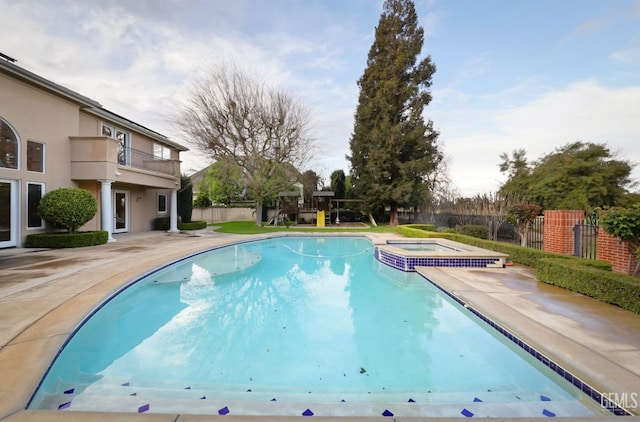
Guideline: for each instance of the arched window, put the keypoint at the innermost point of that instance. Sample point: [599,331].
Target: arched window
[9,146]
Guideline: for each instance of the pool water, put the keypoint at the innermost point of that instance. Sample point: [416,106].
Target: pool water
[293,318]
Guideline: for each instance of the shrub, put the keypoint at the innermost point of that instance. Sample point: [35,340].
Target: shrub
[202,201]
[194,225]
[617,289]
[481,232]
[624,223]
[68,208]
[425,227]
[161,223]
[164,223]
[66,240]
[449,230]
[411,231]
[185,199]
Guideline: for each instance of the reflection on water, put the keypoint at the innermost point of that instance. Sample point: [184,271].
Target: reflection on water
[310,315]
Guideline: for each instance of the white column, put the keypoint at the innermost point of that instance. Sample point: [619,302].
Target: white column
[106,208]
[173,216]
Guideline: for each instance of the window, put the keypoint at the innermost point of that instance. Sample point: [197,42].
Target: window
[124,147]
[9,146]
[35,156]
[162,203]
[161,151]
[34,195]
[107,131]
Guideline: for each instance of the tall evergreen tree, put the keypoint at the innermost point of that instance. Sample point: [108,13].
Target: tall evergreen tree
[393,150]
[338,183]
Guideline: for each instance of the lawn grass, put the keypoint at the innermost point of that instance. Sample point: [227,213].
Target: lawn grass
[249,227]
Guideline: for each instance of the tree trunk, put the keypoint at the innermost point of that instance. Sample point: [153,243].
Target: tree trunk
[258,213]
[393,218]
[524,234]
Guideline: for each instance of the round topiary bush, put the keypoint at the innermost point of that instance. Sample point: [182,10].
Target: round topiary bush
[68,208]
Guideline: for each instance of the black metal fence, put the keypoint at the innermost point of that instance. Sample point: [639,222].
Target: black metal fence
[585,240]
[505,232]
[585,234]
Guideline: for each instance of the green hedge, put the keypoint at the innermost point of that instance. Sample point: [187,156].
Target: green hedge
[617,289]
[475,230]
[425,227]
[413,230]
[66,240]
[163,223]
[194,225]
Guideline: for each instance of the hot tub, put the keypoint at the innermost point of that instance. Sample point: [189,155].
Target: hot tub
[405,255]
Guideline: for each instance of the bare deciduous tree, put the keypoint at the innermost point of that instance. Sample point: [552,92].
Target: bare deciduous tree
[238,119]
[493,209]
[488,209]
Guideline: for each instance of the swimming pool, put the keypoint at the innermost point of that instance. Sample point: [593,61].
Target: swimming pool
[293,326]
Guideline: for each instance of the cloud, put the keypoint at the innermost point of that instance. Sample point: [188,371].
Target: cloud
[629,54]
[588,27]
[583,111]
[473,68]
[634,10]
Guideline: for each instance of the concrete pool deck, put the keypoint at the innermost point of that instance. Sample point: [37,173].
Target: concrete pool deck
[44,294]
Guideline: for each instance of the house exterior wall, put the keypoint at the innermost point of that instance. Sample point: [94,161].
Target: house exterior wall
[37,116]
[41,117]
[76,152]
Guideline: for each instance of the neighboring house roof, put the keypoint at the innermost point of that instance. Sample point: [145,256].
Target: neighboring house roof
[85,103]
[200,174]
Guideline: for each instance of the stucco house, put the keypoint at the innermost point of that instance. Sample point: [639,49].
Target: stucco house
[52,137]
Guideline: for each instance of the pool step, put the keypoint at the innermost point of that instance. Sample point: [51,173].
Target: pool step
[168,388]
[218,406]
[109,396]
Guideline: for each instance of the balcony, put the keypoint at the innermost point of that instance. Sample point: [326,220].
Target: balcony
[130,157]
[103,158]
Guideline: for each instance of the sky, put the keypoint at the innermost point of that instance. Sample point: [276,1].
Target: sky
[510,74]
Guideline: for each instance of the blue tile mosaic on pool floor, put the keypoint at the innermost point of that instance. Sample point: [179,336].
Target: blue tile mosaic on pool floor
[479,405]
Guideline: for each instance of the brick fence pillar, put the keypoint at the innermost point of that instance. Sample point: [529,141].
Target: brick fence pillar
[558,230]
[615,251]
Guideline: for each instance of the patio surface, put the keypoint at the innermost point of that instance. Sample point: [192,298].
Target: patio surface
[44,294]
